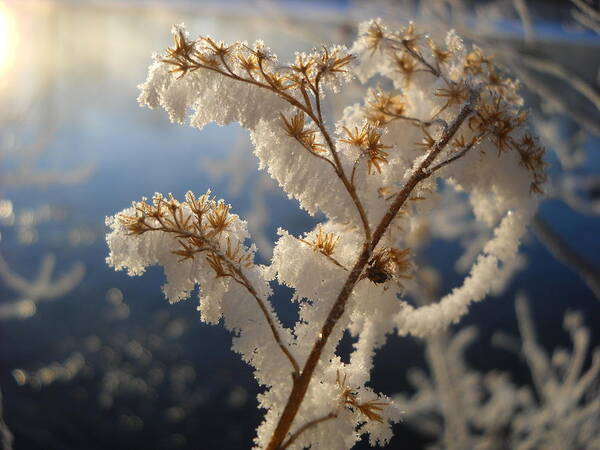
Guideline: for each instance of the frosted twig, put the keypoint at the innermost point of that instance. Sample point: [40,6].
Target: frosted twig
[301,383]
[42,288]
[6,437]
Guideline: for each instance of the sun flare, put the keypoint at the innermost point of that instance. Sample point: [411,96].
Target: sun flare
[7,37]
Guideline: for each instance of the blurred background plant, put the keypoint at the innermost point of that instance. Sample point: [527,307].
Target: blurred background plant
[110,364]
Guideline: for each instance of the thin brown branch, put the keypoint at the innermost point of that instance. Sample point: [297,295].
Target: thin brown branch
[243,280]
[305,427]
[305,96]
[456,156]
[314,153]
[321,126]
[349,187]
[406,47]
[354,167]
[421,123]
[434,70]
[329,257]
[318,96]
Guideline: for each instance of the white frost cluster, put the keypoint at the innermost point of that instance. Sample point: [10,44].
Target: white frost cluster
[350,170]
[220,297]
[463,408]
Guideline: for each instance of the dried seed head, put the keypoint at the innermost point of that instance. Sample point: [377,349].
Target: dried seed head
[368,139]
[218,217]
[387,264]
[371,409]
[295,128]
[455,94]
[374,37]
[441,56]
[406,65]
[325,242]
[382,107]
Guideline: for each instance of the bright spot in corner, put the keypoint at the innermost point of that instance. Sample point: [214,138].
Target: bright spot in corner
[8,35]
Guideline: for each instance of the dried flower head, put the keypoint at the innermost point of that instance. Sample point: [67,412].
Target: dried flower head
[406,65]
[441,56]
[455,94]
[387,264]
[383,107]
[218,217]
[325,242]
[371,409]
[374,36]
[368,140]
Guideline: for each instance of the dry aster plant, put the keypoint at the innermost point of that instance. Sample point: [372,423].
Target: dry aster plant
[437,111]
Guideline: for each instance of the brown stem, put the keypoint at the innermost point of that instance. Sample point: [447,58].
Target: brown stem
[418,57]
[243,280]
[312,152]
[308,110]
[301,383]
[354,167]
[458,155]
[318,96]
[305,427]
[342,175]
[422,123]
[329,257]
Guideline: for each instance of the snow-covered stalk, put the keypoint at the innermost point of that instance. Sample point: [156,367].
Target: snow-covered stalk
[447,114]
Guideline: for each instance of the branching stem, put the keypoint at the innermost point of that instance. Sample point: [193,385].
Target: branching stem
[316,118]
[241,279]
[302,382]
[305,427]
[458,155]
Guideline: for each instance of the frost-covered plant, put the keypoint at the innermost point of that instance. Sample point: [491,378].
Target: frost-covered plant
[439,112]
[462,408]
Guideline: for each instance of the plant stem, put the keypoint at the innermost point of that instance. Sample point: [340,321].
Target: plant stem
[302,382]
[306,426]
[244,281]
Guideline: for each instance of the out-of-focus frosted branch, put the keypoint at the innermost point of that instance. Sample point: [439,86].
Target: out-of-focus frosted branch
[523,11]
[6,437]
[586,15]
[488,411]
[28,176]
[564,253]
[573,190]
[41,288]
[556,70]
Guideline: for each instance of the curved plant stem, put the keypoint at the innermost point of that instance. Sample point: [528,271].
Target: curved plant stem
[305,427]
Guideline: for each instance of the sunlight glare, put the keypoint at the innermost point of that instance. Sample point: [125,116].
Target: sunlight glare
[7,37]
